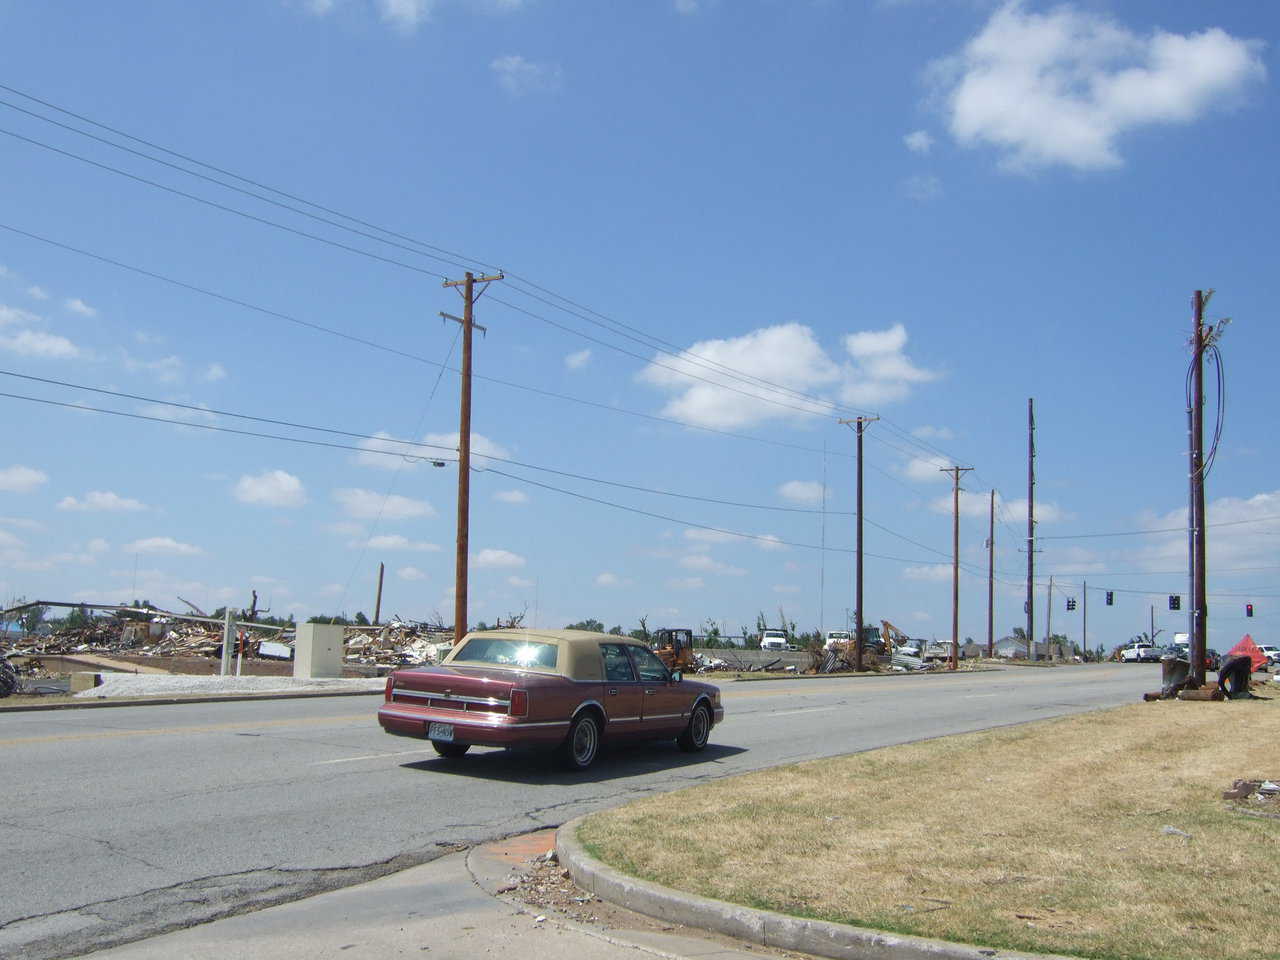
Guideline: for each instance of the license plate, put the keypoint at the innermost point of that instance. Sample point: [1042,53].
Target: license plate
[440,731]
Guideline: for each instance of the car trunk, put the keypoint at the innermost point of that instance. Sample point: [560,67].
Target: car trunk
[467,689]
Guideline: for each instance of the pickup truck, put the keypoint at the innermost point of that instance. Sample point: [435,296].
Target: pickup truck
[1140,653]
[773,640]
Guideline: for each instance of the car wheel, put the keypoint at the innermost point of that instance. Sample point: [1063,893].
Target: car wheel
[698,732]
[452,751]
[583,743]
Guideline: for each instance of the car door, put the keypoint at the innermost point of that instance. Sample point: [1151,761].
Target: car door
[665,709]
[623,694]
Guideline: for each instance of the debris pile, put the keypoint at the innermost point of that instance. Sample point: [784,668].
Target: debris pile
[546,886]
[397,644]
[1256,797]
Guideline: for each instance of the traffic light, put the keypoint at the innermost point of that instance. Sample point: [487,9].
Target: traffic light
[1248,609]
[1111,598]
[1071,603]
[1175,602]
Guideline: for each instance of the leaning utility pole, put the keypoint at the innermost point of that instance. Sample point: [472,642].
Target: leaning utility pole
[1196,513]
[955,562]
[377,603]
[1031,524]
[859,424]
[469,297]
[991,581]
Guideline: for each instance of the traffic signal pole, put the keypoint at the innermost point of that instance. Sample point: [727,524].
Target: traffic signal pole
[1196,513]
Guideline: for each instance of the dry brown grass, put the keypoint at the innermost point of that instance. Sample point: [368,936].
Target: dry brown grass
[1043,837]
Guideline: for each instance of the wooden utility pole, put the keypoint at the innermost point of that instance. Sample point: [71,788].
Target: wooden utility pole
[1196,513]
[1031,524]
[991,581]
[955,561]
[377,603]
[469,297]
[859,424]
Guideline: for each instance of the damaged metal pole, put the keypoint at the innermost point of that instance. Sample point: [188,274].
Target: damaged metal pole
[228,638]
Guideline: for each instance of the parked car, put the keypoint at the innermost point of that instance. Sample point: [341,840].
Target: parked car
[567,690]
[1140,652]
[1212,659]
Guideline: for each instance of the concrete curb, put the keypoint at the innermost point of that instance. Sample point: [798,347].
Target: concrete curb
[171,700]
[867,675]
[774,930]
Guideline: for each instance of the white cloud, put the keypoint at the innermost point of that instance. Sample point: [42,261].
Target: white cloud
[703,538]
[369,505]
[168,369]
[926,469]
[405,15]
[35,343]
[320,7]
[164,545]
[271,488]
[394,541]
[11,315]
[1251,535]
[687,7]
[98,545]
[489,557]
[20,479]
[102,500]
[1061,87]
[37,293]
[11,541]
[927,432]
[686,583]
[706,564]
[410,573]
[185,414]
[921,616]
[922,187]
[882,372]
[578,360]
[978,504]
[785,588]
[930,572]
[434,446]
[520,77]
[788,356]
[511,496]
[918,141]
[520,583]
[801,491]
[607,579]
[76,305]
[215,372]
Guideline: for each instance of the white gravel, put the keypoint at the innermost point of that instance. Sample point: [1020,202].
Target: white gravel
[149,685]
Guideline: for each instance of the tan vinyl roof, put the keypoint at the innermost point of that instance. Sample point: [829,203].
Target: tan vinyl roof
[578,655]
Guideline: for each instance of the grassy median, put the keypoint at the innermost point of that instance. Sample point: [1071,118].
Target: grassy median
[1051,836]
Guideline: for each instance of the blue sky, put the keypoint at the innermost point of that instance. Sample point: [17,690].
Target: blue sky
[725,226]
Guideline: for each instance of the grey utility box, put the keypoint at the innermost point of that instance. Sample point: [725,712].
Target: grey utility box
[317,650]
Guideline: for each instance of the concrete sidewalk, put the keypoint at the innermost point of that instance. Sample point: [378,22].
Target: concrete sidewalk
[439,909]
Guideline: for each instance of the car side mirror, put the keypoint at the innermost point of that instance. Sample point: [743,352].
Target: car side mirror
[677,676]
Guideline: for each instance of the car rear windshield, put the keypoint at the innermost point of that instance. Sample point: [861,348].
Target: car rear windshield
[508,652]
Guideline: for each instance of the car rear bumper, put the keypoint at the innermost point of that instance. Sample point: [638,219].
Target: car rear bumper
[408,720]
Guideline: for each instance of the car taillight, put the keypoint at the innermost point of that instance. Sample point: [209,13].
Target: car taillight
[391,685]
[519,703]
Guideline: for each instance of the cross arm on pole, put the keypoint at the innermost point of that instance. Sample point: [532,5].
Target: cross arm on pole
[474,325]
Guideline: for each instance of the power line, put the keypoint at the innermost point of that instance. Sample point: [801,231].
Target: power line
[580,311]
[765,538]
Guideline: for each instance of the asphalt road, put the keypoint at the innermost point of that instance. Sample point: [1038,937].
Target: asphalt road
[117,824]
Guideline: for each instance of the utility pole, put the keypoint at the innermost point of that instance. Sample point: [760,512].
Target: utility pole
[859,424]
[1084,620]
[1196,512]
[469,297]
[1048,618]
[991,581]
[955,562]
[377,603]
[1031,524]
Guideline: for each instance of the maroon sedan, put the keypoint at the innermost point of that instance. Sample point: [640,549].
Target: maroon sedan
[562,689]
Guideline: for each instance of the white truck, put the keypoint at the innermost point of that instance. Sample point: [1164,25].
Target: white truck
[773,640]
[1140,651]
